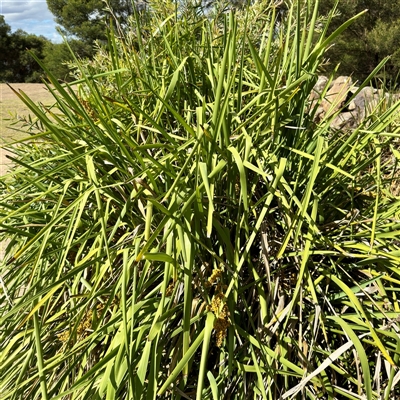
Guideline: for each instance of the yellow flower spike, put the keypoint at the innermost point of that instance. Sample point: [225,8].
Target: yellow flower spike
[221,324]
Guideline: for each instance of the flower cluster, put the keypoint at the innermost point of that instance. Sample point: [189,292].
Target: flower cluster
[83,328]
[218,306]
[221,324]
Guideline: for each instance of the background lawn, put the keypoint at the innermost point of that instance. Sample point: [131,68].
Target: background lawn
[11,107]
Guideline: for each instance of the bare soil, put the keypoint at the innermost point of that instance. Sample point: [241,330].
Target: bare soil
[36,91]
[13,109]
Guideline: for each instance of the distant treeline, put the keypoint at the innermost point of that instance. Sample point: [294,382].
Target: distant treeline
[17,63]
[356,52]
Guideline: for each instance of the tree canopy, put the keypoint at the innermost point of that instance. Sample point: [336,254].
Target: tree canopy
[86,19]
[358,50]
[368,40]
[16,64]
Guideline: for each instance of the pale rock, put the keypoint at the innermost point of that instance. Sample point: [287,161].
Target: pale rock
[336,95]
[345,120]
[340,91]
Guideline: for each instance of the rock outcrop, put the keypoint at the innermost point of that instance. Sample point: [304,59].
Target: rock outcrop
[342,94]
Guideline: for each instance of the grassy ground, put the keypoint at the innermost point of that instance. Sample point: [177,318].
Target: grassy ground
[11,108]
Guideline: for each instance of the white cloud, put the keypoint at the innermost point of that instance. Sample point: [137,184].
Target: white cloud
[32,16]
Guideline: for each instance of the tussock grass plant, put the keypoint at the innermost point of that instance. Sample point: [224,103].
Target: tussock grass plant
[181,228]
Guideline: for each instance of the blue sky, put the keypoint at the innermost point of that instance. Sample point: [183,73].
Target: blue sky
[32,16]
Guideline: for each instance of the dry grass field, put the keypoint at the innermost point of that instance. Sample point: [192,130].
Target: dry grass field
[13,109]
